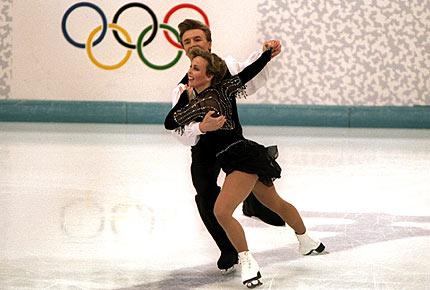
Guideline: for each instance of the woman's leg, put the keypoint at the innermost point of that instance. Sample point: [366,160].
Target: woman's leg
[237,185]
[268,196]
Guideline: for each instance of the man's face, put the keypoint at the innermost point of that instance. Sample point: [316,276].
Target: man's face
[195,38]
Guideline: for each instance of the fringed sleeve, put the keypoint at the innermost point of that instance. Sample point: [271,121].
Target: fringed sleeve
[236,86]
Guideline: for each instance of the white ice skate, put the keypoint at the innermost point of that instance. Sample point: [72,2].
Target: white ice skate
[250,270]
[308,245]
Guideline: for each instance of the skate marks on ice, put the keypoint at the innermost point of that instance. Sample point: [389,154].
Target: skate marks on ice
[368,228]
[198,277]
[73,274]
[350,230]
[359,229]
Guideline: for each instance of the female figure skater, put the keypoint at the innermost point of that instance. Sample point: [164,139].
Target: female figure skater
[248,165]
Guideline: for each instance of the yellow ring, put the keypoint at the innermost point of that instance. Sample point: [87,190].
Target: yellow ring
[90,53]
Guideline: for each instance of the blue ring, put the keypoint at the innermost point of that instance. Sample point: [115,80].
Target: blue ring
[70,10]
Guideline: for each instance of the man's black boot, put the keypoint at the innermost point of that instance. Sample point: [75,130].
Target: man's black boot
[227,262]
[252,207]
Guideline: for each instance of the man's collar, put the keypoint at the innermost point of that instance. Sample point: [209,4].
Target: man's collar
[184,80]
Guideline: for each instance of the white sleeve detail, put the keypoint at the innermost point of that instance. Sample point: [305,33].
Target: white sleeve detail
[176,93]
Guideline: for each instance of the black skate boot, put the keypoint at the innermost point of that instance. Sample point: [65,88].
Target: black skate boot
[252,207]
[227,262]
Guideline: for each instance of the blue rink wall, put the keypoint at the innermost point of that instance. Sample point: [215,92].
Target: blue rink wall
[250,114]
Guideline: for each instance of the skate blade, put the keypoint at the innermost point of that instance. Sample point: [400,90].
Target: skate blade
[229,270]
[320,250]
[253,284]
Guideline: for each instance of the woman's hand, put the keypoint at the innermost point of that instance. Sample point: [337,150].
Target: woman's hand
[190,92]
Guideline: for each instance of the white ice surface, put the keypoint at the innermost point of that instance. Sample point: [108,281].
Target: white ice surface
[85,206]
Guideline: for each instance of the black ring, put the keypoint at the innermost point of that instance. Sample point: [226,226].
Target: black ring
[151,13]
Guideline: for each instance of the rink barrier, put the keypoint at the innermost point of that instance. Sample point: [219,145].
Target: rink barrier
[250,114]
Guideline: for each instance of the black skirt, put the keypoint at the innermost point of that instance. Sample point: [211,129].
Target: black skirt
[251,157]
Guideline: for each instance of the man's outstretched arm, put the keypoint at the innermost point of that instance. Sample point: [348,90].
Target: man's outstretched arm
[260,80]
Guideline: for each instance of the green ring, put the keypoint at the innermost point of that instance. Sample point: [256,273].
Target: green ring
[147,62]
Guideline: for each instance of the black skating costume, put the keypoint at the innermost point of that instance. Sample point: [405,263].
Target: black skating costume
[233,150]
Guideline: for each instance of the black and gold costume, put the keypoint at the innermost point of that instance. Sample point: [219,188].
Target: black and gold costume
[233,150]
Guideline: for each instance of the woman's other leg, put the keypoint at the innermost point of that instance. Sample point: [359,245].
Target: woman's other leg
[268,196]
[237,185]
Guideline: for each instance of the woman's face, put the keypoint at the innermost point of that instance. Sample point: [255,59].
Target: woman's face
[197,77]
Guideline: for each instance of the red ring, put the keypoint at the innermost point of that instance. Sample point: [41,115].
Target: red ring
[173,10]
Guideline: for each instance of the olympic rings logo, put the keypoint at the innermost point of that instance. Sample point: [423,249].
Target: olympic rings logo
[88,219]
[117,30]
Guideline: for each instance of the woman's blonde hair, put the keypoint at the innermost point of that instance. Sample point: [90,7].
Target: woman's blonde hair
[216,66]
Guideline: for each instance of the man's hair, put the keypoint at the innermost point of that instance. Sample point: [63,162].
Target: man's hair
[216,66]
[189,24]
